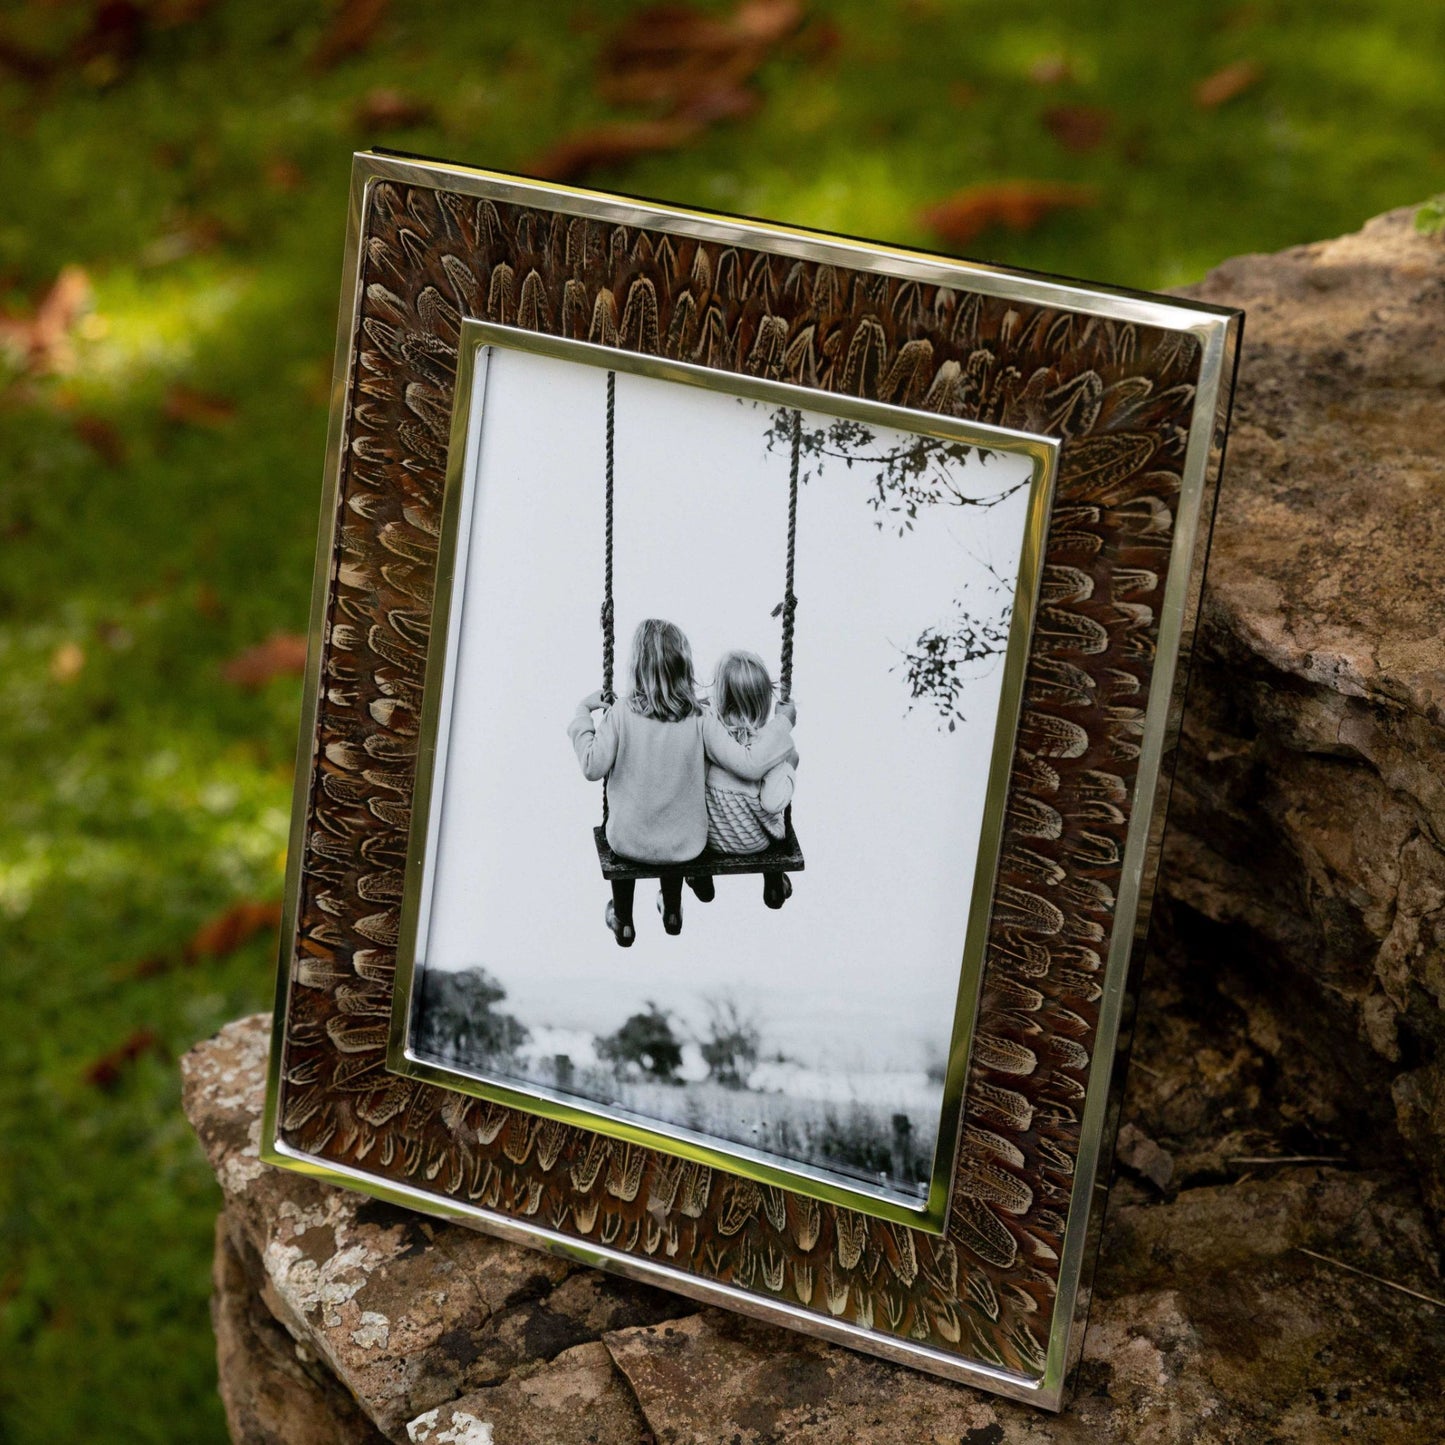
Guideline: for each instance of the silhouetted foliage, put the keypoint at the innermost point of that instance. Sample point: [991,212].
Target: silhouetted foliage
[458,1018]
[646,1042]
[731,1047]
[907,478]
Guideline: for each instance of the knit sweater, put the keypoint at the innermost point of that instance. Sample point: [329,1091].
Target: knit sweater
[657,810]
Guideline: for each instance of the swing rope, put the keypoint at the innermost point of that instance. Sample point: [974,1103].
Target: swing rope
[608,696]
[788,607]
[790,601]
[607,625]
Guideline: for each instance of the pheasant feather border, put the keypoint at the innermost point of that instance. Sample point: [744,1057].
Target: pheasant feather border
[1135,389]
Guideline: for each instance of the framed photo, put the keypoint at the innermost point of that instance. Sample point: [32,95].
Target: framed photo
[744,677]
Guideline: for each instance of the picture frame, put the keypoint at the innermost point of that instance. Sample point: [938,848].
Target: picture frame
[474,306]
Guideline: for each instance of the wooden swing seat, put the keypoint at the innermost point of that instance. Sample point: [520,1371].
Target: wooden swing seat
[781,856]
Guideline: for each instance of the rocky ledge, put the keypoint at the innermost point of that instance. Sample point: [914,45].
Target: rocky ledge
[1225,1311]
[1268,1269]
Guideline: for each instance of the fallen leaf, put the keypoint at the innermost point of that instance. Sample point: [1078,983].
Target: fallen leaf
[43,340]
[1224,85]
[691,69]
[819,40]
[1051,70]
[385,109]
[196,408]
[353,27]
[1078,128]
[609,145]
[1014,205]
[102,437]
[105,1072]
[227,931]
[283,654]
[67,662]
[284,175]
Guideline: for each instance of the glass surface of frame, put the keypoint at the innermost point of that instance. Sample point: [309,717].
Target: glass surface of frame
[1132,389]
[820,1046]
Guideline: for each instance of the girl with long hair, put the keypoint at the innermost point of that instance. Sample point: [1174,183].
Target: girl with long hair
[746,814]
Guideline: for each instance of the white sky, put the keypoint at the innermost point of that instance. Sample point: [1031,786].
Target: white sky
[859,970]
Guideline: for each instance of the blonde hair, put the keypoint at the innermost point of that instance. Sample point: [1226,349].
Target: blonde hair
[742,693]
[663,686]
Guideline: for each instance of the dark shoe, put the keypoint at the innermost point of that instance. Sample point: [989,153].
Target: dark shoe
[671,922]
[704,888]
[624,933]
[777,889]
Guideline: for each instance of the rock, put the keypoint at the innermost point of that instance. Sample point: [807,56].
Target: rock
[1208,1326]
[407,1312]
[1209,1322]
[273,1391]
[1309,806]
[581,1398]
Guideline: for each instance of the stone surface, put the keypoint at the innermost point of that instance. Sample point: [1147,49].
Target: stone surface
[1269,1236]
[580,1398]
[409,1313]
[274,1392]
[1209,1322]
[1309,809]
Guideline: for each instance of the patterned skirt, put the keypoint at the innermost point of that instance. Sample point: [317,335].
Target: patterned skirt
[738,822]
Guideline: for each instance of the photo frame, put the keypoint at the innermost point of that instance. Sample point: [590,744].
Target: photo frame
[996,882]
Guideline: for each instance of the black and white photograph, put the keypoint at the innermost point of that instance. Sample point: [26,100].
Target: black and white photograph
[721,719]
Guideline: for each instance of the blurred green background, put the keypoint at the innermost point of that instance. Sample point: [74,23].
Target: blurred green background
[174,179]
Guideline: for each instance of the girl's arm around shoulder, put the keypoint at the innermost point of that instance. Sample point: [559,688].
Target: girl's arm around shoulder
[748,760]
[777,790]
[595,744]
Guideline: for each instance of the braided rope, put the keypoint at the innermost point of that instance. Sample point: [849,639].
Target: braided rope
[790,602]
[608,628]
[607,612]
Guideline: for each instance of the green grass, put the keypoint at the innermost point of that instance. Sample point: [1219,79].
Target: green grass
[140,793]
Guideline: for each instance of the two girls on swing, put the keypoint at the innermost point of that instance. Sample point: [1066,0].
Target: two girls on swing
[681,775]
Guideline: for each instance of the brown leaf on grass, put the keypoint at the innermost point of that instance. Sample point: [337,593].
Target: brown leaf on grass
[102,437]
[283,654]
[187,405]
[105,1073]
[690,69]
[1078,128]
[1013,205]
[42,341]
[1051,70]
[226,932]
[610,145]
[1224,85]
[353,27]
[284,175]
[385,109]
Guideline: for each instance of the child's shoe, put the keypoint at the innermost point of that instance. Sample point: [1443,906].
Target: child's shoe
[703,887]
[777,889]
[624,933]
[671,922]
